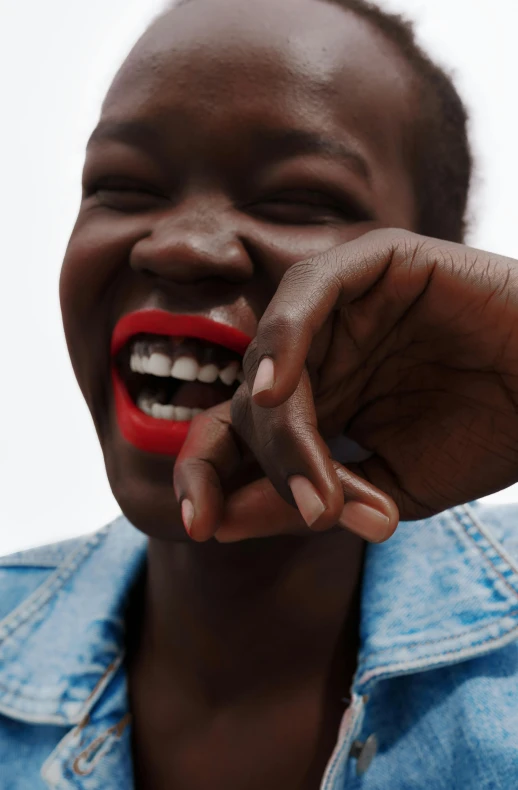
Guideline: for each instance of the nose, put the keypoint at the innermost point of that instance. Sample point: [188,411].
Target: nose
[194,243]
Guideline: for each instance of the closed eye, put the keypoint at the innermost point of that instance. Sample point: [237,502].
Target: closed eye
[307,207]
[125,196]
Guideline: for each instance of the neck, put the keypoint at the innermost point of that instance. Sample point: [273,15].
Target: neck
[227,622]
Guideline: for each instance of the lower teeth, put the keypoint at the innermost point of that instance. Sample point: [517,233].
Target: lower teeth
[161,411]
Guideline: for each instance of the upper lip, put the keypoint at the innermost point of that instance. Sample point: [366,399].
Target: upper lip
[161,322]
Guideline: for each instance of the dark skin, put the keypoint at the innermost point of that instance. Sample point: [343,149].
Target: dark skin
[199,197]
[240,205]
[207,204]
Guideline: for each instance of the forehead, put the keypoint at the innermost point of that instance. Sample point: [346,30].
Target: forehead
[239,67]
[262,50]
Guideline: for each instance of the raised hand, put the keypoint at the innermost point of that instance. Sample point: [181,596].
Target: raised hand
[408,345]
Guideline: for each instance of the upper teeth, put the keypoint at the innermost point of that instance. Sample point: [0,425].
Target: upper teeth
[185,368]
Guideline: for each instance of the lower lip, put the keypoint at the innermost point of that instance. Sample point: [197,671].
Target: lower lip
[165,437]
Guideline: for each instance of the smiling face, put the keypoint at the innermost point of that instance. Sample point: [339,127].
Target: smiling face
[237,139]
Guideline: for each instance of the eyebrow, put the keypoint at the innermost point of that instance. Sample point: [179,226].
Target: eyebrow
[136,132]
[290,142]
[274,143]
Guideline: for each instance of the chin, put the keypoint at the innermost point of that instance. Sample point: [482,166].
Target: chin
[142,484]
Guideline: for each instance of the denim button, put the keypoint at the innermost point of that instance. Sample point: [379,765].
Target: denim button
[364,753]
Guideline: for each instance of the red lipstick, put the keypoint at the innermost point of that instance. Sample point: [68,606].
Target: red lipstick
[144,432]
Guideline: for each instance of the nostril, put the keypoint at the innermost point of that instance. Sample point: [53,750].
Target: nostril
[187,254]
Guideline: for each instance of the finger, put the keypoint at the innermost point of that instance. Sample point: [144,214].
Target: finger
[306,296]
[210,455]
[258,511]
[385,478]
[368,511]
[297,461]
[287,444]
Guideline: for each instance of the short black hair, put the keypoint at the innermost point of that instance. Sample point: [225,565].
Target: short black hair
[441,159]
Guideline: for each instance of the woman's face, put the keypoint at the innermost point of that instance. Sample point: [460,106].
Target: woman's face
[237,139]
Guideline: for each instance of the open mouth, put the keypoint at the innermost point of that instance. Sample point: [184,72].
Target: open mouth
[175,378]
[168,368]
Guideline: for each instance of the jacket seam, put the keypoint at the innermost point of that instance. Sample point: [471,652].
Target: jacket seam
[47,556]
[471,629]
[458,635]
[33,565]
[433,662]
[495,545]
[27,608]
[110,669]
[425,661]
[458,649]
[483,549]
[342,747]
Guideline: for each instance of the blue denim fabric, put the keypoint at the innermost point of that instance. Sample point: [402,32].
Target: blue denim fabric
[437,679]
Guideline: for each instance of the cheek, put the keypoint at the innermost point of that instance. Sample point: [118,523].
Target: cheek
[95,262]
[279,249]
[97,255]
[97,250]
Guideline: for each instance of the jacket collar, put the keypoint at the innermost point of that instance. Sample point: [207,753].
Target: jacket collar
[60,648]
[439,591]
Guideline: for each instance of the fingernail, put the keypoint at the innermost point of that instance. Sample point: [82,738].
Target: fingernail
[307,498]
[365,521]
[187,514]
[265,376]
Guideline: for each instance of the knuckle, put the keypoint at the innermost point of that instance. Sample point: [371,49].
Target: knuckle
[393,243]
[196,471]
[185,468]
[211,423]
[409,247]
[299,273]
[277,322]
[395,236]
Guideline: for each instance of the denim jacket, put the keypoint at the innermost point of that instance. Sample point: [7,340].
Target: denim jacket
[434,703]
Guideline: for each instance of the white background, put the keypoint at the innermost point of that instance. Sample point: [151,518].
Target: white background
[56,60]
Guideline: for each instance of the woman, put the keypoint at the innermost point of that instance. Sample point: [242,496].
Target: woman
[238,192]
